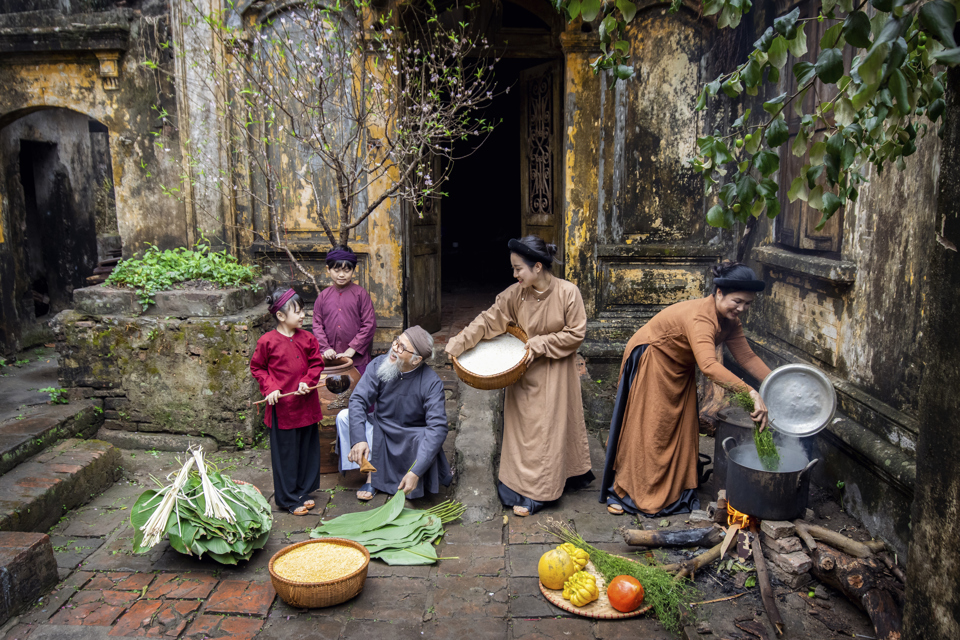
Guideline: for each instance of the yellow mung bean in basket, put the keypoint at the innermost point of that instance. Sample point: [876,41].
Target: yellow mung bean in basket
[318,562]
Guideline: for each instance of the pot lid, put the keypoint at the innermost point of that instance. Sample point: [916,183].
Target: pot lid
[800,399]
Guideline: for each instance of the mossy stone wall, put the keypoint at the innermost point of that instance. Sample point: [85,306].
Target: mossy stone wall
[172,375]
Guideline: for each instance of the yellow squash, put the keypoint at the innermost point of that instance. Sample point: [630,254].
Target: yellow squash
[555,567]
[581,589]
[579,556]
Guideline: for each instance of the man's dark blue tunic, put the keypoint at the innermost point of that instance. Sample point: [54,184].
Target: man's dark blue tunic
[409,427]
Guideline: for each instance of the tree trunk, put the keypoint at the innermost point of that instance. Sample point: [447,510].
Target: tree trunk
[866,583]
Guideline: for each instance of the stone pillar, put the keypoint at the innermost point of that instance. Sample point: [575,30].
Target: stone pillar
[933,565]
[203,133]
[582,115]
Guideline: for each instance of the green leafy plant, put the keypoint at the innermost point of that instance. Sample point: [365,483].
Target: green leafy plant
[57,396]
[158,270]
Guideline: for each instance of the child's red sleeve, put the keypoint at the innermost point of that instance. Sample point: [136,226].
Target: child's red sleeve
[258,367]
[314,361]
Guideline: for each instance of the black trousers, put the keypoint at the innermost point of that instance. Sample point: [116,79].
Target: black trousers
[295,455]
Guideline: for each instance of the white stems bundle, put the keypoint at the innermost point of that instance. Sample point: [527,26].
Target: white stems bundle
[156,526]
[216,506]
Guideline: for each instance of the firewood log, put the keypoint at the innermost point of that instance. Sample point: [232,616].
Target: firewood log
[836,540]
[865,582]
[705,537]
[763,578]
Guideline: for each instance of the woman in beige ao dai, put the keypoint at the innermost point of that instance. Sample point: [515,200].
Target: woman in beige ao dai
[545,448]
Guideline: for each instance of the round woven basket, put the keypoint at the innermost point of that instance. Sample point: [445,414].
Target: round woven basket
[499,380]
[311,595]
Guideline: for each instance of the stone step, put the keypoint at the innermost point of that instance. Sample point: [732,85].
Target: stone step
[28,570]
[20,439]
[35,494]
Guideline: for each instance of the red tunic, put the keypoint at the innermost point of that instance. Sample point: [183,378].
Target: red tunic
[283,363]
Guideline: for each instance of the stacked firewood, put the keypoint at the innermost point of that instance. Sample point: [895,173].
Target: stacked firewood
[796,553]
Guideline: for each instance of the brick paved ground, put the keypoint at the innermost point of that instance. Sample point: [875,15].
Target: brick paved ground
[490,591]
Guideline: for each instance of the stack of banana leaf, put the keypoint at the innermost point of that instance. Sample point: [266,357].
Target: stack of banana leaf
[202,512]
[392,533]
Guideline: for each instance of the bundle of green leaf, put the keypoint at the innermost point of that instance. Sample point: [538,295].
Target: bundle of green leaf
[667,594]
[763,440]
[202,512]
[392,533]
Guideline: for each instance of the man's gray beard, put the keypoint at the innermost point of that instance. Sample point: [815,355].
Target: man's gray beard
[389,371]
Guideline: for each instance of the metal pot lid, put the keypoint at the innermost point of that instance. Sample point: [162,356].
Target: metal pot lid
[800,399]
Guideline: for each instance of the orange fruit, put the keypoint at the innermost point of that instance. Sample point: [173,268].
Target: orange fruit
[625,593]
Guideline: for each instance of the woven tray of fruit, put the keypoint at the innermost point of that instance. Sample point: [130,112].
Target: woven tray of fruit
[569,581]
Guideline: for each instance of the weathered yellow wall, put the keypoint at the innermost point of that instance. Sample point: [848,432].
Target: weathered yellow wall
[141,161]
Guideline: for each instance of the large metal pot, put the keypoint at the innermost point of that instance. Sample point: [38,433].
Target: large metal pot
[732,422]
[768,495]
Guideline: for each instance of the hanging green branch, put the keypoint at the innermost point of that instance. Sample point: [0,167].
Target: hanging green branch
[872,111]
[613,18]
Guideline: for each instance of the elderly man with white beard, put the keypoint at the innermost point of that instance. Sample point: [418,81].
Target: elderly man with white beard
[403,436]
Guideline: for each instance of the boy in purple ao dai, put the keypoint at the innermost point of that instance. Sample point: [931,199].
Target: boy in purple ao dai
[344,321]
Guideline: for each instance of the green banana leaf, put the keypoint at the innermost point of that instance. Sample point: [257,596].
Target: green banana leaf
[423,553]
[363,521]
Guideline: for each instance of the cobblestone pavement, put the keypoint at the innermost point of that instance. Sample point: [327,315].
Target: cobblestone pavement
[488,591]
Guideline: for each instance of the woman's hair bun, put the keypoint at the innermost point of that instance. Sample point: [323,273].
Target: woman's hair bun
[552,249]
[723,269]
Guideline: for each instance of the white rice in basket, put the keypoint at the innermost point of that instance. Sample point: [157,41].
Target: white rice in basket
[494,356]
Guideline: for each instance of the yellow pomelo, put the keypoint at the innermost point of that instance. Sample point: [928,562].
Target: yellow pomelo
[555,567]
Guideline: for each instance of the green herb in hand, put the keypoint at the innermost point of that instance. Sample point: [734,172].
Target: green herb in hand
[763,440]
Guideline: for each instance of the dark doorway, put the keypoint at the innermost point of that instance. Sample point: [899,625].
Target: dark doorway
[63,186]
[482,209]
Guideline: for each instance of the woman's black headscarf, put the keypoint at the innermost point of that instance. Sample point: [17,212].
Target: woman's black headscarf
[518,247]
[740,278]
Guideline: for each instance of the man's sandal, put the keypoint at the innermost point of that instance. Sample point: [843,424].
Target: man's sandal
[300,511]
[615,509]
[309,504]
[522,512]
[367,488]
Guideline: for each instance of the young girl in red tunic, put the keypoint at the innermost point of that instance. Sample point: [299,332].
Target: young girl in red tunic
[288,361]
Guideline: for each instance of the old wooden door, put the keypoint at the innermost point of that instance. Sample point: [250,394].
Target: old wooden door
[422,263]
[540,160]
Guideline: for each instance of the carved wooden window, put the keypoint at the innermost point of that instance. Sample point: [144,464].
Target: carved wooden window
[539,134]
[796,225]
